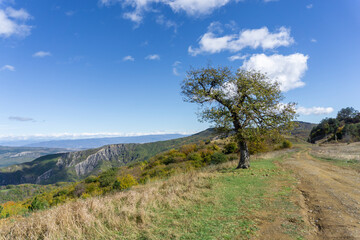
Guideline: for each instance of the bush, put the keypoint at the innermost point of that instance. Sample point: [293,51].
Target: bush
[125,182]
[218,158]
[38,204]
[230,148]
[107,178]
[187,149]
[286,144]
[79,190]
[91,179]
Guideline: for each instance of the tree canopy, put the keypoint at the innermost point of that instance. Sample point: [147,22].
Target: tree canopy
[247,102]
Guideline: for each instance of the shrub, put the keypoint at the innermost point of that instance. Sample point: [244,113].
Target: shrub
[91,179]
[79,190]
[38,204]
[215,147]
[107,178]
[258,146]
[187,149]
[286,144]
[125,182]
[230,148]
[218,158]
[1,208]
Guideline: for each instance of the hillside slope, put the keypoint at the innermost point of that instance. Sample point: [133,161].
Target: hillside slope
[78,165]
[16,155]
[218,202]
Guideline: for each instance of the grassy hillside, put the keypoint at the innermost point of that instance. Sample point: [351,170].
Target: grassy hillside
[68,167]
[16,155]
[302,130]
[217,202]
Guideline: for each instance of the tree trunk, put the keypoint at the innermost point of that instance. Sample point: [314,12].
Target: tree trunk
[244,161]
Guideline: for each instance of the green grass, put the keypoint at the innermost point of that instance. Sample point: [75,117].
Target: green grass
[230,209]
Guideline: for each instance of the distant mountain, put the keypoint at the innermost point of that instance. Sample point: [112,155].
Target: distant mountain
[303,130]
[99,142]
[16,155]
[72,166]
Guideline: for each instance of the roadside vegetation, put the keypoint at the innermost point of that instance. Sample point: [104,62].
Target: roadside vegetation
[344,128]
[217,201]
[175,161]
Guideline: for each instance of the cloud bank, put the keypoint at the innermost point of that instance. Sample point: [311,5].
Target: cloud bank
[287,70]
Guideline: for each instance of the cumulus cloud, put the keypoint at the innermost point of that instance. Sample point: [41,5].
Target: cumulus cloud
[7,67]
[190,7]
[128,58]
[153,57]
[314,110]
[210,42]
[21,119]
[287,70]
[13,22]
[41,54]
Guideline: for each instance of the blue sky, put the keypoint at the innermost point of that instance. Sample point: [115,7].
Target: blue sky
[114,67]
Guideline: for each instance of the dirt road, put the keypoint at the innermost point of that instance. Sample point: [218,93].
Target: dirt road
[331,193]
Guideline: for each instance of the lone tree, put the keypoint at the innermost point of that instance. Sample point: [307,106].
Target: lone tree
[245,102]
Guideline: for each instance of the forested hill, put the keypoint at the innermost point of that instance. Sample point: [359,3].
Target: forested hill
[74,166]
[345,127]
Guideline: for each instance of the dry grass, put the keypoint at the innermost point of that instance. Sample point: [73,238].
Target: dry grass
[124,215]
[340,151]
[121,215]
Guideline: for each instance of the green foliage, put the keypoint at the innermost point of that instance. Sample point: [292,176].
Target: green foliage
[218,157]
[125,182]
[344,127]
[286,144]
[230,148]
[246,102]
[107,178]
[91,179]
[38,203]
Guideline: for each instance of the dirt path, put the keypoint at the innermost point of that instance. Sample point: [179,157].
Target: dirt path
[331,196]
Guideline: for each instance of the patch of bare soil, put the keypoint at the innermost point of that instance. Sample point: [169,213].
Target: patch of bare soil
[331,201]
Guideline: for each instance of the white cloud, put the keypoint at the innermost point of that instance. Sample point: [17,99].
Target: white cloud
[17,14]
[66,135]
[7,67]
[309,6]
[252,38]
[128,58]
[153,57]
[238,57]
[287,70]
[190,7]
[12,22]
[166,22]
[313,40]
[176,65]
[41,54]
[314,110]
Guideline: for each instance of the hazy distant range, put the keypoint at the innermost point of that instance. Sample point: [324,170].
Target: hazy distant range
[92,142]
